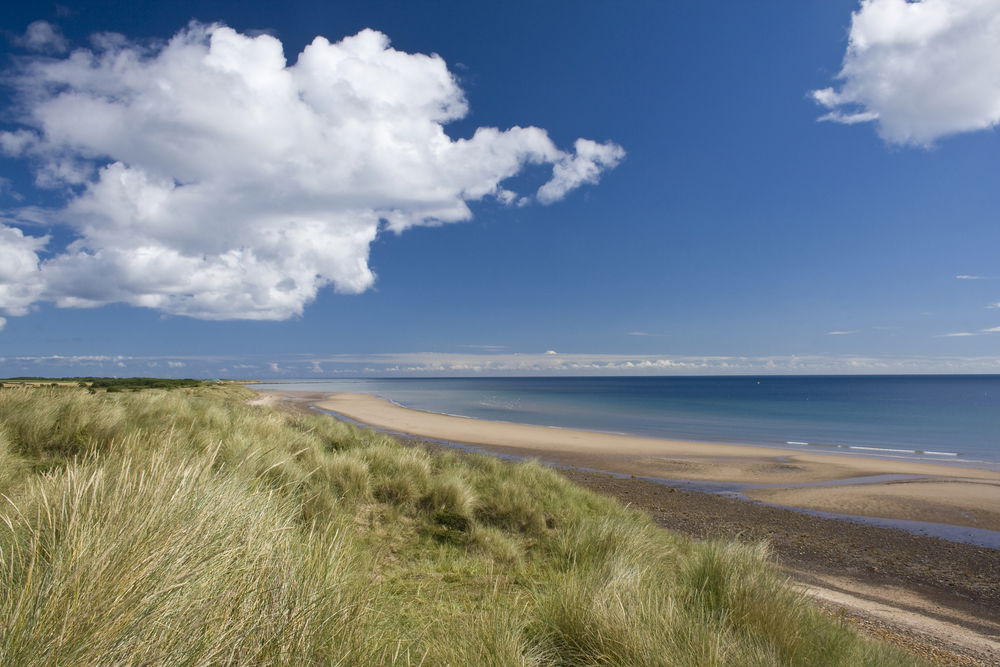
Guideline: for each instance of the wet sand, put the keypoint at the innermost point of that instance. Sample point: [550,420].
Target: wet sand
[961,503]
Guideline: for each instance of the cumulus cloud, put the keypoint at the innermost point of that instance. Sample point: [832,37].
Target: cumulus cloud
[20,277]
[584,166]
[43,37]
[208,177]
[920,70]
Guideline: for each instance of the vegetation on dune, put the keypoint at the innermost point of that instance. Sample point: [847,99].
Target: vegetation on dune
[108,384]
[187,527]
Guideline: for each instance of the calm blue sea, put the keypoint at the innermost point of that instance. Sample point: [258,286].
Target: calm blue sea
[941,418]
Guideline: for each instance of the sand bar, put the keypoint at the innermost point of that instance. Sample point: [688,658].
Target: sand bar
[966,503]
[959,495]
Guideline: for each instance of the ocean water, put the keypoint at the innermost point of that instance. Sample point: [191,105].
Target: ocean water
[941,418]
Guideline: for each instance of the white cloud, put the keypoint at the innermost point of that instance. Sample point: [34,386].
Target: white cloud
[972,333]
[505,364]
[207,177]
[994,305]
[585,166]
[175,364]
[43,37]
[3,323]
[643,333]
[432,363]
[16,143]
[20,278]
[841,333]
[967,277]
[920,70]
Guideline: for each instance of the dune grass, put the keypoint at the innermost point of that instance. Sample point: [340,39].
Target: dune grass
[186,527]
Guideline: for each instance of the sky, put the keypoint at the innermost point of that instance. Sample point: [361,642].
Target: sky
[267,190]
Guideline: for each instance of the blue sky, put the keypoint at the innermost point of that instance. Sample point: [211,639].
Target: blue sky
[713,224]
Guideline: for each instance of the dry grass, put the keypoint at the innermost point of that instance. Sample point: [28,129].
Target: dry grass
[186,527]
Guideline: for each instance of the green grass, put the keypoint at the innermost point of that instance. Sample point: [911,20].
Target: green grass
[188,528]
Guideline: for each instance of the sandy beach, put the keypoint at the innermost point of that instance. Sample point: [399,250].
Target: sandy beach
[945,494]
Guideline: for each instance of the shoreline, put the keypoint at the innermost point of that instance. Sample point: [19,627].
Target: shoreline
[912,441]
[945,461]
[959,496]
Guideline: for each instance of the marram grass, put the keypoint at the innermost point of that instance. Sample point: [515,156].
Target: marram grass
[186,527]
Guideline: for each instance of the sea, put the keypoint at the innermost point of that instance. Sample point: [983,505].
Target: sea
[940,418]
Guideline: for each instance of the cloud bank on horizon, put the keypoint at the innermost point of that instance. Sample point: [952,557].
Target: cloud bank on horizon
[919,70]
[209,178]
[440,364]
